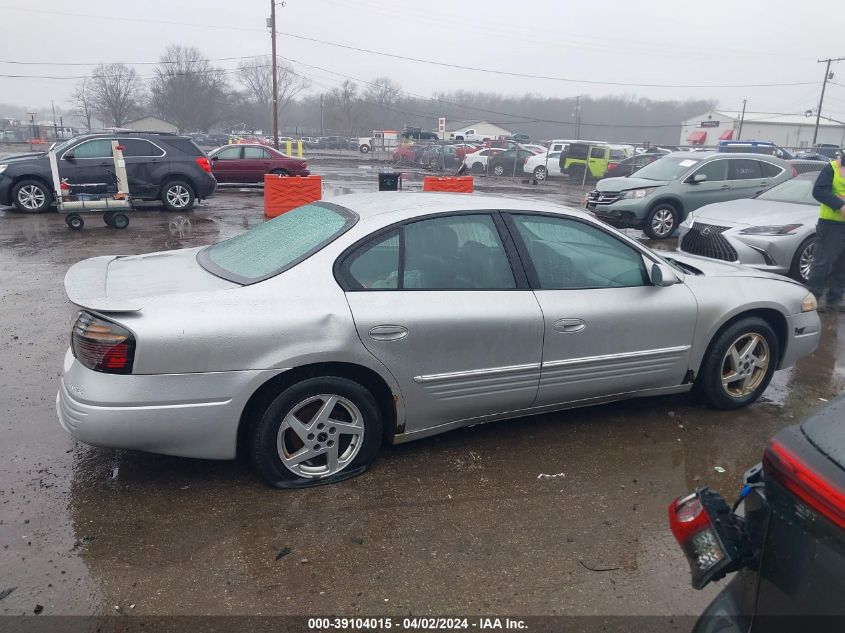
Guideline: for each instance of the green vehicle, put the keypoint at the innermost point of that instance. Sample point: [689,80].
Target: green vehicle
[592,157]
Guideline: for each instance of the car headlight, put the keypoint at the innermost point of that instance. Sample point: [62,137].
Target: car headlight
[3,168]
[785,229]
[639,193]
[809,303]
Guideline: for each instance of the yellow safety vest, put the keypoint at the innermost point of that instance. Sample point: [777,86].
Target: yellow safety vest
[825,212]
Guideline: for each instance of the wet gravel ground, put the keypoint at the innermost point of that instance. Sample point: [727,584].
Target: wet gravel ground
[463,523]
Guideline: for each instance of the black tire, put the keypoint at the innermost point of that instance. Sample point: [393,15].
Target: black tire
[32,196]
[280,172]
[798,260]
[539,173]
[716,365]
[107,217]
[364,149]
[576,173]
[74,221]
[120,220]
[661,222]
[267,458]
[174,198]
[478,168]
[498,170]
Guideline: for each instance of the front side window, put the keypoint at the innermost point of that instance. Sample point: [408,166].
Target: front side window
[597,152]
[744,169]
[274,246]
[567,254]
[230,153]
[715,171]
[97,148]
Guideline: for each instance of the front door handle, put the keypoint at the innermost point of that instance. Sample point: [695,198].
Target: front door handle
[725,187]
[569,326]
[388,332]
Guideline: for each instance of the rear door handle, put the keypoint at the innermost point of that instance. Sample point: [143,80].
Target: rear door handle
[388,332]
[725,187]
[569,326]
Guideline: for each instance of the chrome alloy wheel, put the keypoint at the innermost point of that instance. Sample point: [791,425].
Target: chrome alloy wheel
[745,365]
[805,261]
[320,436]
[663,222]
[178,196]
[31,197]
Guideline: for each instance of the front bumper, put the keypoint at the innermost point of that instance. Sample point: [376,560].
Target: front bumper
[773,254]
[803,335]
[189,415]
[621,214]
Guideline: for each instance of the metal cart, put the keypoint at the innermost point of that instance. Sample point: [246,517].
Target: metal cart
[114,205]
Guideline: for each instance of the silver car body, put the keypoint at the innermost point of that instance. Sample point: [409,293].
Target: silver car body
[450,358]
[731,231]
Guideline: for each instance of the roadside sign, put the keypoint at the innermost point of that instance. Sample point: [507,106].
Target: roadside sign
[441,124]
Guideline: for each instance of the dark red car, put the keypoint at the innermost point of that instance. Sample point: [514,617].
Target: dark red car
[249,163]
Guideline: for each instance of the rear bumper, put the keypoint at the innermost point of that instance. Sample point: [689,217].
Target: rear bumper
[5,190]
[189,415]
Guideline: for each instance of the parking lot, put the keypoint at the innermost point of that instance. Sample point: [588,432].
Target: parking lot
[562,513]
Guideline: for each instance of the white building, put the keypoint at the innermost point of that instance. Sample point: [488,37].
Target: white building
[785,130]
[151,124]
[475,131]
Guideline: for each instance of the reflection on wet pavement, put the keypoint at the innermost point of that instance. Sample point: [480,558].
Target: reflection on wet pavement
[460,523]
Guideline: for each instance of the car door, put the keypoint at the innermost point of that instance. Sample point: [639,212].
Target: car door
[145,166]
[256,162]
[89,167]
[607,329]
[746,177]
[439,304]
[598,161]
[226,164]
[716,188]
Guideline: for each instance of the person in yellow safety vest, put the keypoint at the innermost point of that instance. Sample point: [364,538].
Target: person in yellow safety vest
[828,266]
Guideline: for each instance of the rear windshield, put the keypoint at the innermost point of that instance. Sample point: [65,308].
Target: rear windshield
[667,168]
[798,190]
[275,246]
[185,145]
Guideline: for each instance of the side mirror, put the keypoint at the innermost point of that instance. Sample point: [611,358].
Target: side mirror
[662,275]
[697,178]
[215,157]
[68,156]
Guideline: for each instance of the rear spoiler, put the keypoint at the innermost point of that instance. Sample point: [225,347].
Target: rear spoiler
[85,285]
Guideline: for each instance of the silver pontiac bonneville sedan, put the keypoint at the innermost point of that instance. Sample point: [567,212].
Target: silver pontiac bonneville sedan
[313,338]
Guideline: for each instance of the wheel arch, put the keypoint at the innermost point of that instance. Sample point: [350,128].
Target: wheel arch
[675,201]
[176,177]
[37,177]
[368,378]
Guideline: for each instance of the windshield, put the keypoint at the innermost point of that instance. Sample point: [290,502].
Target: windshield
[798,190]
[275,246]
[668,168]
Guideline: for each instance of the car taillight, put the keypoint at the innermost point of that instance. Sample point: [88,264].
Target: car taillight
[612,166]
[102,345]
[709,535]
[202,161]
[785,467]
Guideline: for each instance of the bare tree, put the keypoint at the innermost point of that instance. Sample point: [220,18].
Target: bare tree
[346,98]
[256,76]
[116,93]
[82,99]
[187,90]
[382,92]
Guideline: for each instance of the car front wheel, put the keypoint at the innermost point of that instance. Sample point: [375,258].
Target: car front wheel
[318,431]
[739,364]
[661,221]
[803,260]
[32,196]
[178,195]
[539,173]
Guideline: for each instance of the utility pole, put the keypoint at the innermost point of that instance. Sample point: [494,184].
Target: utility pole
[821,98]
[741,120]
[275,78]
[322,132]
[578,117]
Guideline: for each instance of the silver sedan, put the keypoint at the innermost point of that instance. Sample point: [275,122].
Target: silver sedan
[314,338]
[775,231]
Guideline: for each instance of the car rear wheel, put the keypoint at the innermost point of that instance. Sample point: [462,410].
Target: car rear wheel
[739,364]
[802,261]
[477,168]
[318,431]
[32,196]
[280,172]
[499,170]
[364,149]
[661,221]
[178,195]
[539,173]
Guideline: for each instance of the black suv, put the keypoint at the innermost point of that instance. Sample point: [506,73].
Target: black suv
[160,166]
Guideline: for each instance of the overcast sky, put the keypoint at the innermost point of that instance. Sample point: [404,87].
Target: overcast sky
[649,42]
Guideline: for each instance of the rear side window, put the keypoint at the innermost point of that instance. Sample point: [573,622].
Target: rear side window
[139,147]
[744,169]
[769,170]
[255,152]
[275,246]
[186,146]
[375,265]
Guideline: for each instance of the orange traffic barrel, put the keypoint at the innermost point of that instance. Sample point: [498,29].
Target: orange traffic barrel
[283,193]
[456,184]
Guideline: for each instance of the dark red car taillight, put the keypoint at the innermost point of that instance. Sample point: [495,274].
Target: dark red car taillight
[102,345]
[709,535]
[202,161]
[811,488]
[612,166]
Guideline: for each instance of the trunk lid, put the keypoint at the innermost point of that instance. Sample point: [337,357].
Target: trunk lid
[120,283]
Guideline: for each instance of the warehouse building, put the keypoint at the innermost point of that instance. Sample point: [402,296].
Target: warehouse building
[785,130]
